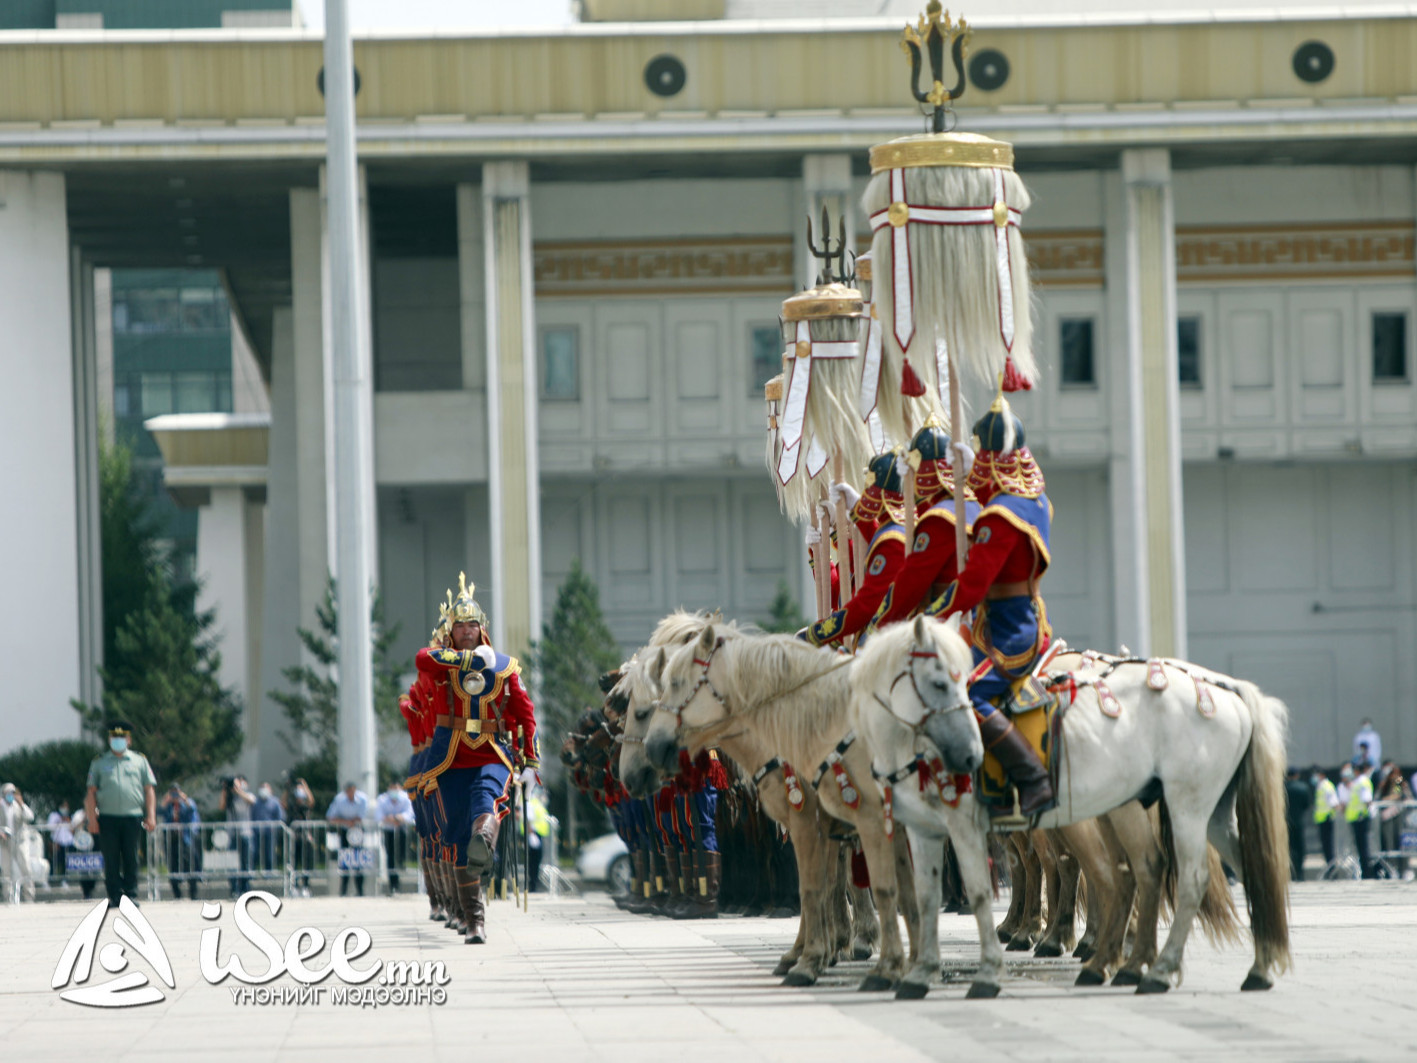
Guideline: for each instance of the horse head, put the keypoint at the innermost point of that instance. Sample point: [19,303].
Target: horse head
[940,665]
[640,685]
[689,699]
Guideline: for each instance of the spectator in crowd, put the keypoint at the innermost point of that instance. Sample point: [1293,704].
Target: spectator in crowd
[236,801]
[79,826]
[1366,735]
[1392,788]
[1326,803]
[61,840]
[1298,799]
[347,811]
[120,804]
[300,803]
[1356,793]
[395,814]
[540,820]
[1363,762]
[182,841]
[265,814]
[15,817]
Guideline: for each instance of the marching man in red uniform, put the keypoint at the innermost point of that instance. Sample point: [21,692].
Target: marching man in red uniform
[485,729]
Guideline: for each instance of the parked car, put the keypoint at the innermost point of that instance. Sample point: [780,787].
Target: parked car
[605,859]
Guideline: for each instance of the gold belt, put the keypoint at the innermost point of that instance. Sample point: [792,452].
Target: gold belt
[466,723]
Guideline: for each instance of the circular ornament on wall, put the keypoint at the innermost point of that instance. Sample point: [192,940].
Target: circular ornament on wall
[989,69]
[665,75]
[1313,61]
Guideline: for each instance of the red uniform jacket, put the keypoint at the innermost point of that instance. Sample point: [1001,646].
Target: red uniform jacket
[884,559]
[931,564]
[501,699]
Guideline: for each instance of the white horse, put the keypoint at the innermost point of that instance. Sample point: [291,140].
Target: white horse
[773,698]
[1212,747]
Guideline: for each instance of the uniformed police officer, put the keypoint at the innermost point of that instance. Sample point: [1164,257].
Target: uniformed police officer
[121,803]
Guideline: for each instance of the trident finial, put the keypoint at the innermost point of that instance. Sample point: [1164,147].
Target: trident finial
[931,34]
[827,252]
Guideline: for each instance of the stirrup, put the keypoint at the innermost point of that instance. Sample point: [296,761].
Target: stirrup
[1008,820]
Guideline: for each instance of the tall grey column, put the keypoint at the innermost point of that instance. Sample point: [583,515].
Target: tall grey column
[353,411]
[86,476]
[513,481]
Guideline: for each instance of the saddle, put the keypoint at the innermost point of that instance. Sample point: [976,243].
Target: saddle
[1037,714]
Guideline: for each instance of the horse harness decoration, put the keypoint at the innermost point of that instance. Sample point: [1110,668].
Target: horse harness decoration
[1070,682]
[790,782]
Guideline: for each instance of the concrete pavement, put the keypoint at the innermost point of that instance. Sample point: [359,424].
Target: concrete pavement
[578,979]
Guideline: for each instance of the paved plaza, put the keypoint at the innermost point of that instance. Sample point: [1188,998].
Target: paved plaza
[577,979]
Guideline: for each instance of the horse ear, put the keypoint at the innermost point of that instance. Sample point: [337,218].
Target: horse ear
[921,635]
[707,639]
[656,664]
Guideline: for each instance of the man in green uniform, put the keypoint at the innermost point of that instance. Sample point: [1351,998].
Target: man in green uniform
[121,803]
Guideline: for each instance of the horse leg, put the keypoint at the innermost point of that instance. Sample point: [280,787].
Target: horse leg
[1030,928]
[838,897]
[1013,849]
[864,928]
[1086,843]
[905,888]
[1131,828]
[809,844]
[880,861]
[928,875]
[1188,836]
[1094,904]
[971,850]
[1061,934]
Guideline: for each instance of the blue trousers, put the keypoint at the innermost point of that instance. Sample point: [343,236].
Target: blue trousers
[1013,629]
[464,794]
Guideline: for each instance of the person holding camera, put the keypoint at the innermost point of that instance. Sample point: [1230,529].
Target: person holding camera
[120,804]
[236,801]
[182,841]
[348,811]
[300,803]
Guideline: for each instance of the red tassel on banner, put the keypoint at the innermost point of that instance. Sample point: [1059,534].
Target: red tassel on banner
[910,383]
[1013,379]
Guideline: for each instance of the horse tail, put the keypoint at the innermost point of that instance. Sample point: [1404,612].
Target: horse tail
[1264,832]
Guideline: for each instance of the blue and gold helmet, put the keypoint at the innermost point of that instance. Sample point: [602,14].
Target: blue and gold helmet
[930,458]
[999,430]
[885,472]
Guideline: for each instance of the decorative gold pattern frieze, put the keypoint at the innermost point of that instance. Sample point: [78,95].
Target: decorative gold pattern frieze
[1334,251]
[743,265]
[1060,258]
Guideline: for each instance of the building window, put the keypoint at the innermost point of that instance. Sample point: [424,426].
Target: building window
[157,394]
[561,363]
[1188,351]
[766,343]
[192,392]
[1389,347]
[1075,342]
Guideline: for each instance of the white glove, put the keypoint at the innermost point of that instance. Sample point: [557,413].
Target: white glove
[964,457]
[485,656]
[843,492]
[530,777]
[814,537]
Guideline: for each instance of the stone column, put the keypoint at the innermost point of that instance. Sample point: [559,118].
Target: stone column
[514,507]
[40,631]
[1148,446]
[86,443]
[224,556]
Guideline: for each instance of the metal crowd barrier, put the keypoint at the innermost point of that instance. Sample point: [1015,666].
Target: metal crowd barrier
[215,860]
[1395,841]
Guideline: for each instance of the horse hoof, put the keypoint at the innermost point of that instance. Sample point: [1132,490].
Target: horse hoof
[1153,985]
[911,991]
[1087,976]
[982,991]
[783,966]
[1126,977]
[876,983]
[833,960]
[799,978]
[1048,948]
[1255,981]
[1018,945]
[1083,952]
[1005,936]
[861,952]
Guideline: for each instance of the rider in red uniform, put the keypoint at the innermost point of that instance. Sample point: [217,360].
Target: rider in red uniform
[1008,555]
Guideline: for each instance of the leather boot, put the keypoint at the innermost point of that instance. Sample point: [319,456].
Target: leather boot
[1019,760]
[659,891]
[457,919]
[703,901]
[470,894]
[483,842]
[637,877]
[435,894]
[640,903]
[673,882]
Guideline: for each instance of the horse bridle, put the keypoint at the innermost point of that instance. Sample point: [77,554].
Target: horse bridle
[930,711]
[704,681]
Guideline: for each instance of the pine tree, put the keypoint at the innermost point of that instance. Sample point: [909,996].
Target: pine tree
[576,648]
[161,663]
[785,613]
[312,704]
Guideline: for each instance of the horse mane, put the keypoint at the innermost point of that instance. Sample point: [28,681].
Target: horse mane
[680,626]
[677,629]
[793,694]
[881,657]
